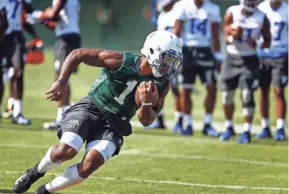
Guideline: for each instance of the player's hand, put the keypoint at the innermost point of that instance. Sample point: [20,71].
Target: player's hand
[56,92]
[34,17]
[237,32]
[252,42]
[147,92]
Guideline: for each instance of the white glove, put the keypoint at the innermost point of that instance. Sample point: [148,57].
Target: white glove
[34,17]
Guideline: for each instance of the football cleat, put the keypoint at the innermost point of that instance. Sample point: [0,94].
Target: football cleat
[177,128]
[210,131]
[7,113]
[21,120]
[265,133]
[227,134]
[188,131]
[244,138]
[24,182]
[50,125]
[280,135]
[42,190]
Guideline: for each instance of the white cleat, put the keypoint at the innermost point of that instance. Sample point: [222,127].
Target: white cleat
[50,125]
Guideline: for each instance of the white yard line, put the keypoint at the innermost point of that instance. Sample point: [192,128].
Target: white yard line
[234,187]
[164,155]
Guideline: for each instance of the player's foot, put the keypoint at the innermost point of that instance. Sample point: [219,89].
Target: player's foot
[280,135]
[188,130]
[21,120]
[265,133]
[210,131]
[227,134]
[7,113]
[42,190]
[161,123]
[50,125]
[245,138]
[24,182]
[177,128]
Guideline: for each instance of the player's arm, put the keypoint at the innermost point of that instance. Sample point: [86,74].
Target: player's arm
[216,37]
[147,114]
[229,32]
[267,37]
[53,12]
[92,57]
[178,28]
[3,22]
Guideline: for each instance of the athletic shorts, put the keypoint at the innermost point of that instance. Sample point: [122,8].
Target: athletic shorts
[64,44]
[90,123]
[242,72]
[199,62]
[12,50]
[274,71]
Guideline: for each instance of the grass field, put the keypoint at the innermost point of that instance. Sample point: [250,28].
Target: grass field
[151,161]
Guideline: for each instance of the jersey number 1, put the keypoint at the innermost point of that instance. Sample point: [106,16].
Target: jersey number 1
[130,86]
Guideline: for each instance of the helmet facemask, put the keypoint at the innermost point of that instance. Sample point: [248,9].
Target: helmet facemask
[249,5]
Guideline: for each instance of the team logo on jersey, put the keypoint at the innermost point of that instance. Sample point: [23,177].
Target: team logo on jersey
[72,123]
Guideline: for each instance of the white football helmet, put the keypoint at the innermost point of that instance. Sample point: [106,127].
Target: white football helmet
[249,5]
[163,51]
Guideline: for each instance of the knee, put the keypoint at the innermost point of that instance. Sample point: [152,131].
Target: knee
[228,97]
[63,152]
[247,98]
[279,93]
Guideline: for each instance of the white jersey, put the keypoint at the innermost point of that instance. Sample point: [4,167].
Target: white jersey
[166,21]
[279,28]
[2,4]
[251,25]
[197,22]
[14,12]
[69,15]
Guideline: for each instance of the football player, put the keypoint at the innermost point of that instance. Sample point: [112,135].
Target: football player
[243,25]
[274,67]
[3,19]
[66,14]
[102,118]
[197,23]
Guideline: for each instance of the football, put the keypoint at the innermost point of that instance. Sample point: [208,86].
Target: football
[155,98]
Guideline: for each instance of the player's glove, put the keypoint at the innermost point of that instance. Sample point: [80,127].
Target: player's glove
[35,17]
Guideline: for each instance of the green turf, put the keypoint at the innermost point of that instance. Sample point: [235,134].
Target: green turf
[150,157]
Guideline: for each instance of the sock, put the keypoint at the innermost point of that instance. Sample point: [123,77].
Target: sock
[265,122]
[280,123]
[208,119]
[59,113]
[178,116]
[229,123]
[10,103]
[247,127]
[46,163]
[69,178]
[188,120]
[17,107]
[161,113]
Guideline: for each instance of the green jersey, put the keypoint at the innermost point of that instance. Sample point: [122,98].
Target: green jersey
[114,90]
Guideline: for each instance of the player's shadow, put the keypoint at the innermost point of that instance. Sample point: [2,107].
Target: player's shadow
[9,191]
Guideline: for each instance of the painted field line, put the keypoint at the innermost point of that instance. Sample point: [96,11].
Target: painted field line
[234,187]
[165,155]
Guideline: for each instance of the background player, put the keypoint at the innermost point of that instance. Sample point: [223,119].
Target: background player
[13,49]
[197,23]
[243,25]
[3,19]
[66,14]
[274,67]
[102,118]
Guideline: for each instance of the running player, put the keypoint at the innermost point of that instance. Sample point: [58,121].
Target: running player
[243,25]
[198,24]
[274,67]
[102,118]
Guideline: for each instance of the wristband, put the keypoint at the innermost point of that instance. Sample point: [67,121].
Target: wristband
[146,104]
[61,81]
[218,56]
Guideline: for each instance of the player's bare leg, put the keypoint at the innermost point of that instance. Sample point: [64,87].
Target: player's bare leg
[178,110]
[264,110]
[229,109]
[61,106]
[17,85]
[210,102]
[281,112]
[186,105]
[54,157]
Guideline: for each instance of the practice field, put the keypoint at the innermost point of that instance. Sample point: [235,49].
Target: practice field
[151,161]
